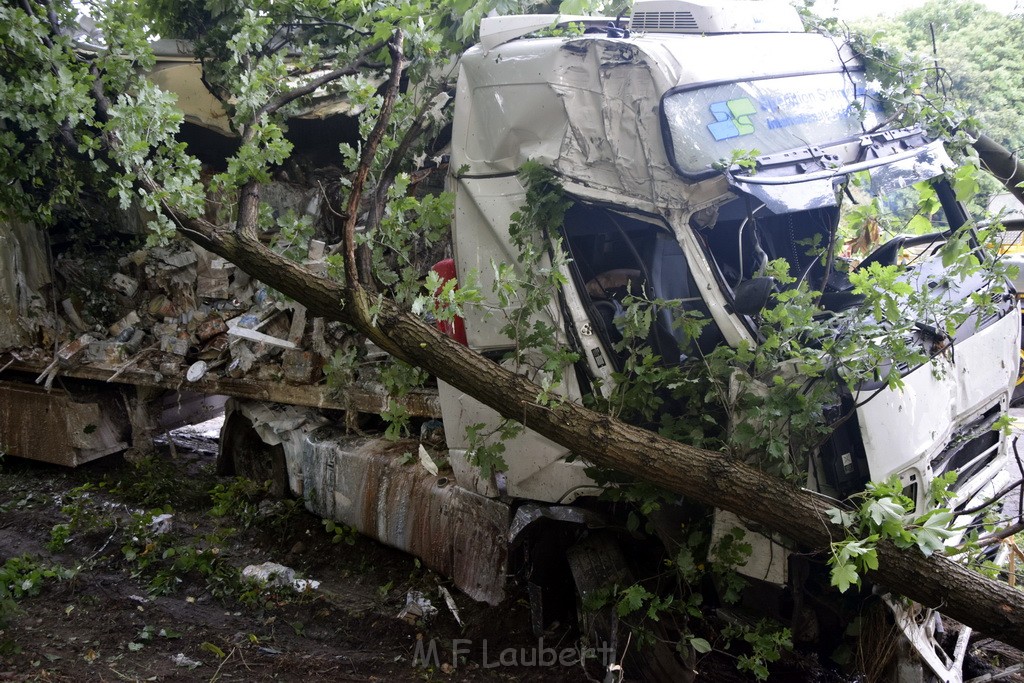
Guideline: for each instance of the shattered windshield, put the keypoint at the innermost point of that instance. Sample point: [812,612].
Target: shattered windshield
[877,212]
[768,115]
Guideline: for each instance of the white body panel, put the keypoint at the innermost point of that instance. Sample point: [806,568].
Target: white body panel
[903,430]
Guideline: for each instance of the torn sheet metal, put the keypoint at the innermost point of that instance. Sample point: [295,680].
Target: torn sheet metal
[590,106]
[288,426]
[528,513]
[787,189]
[922,628]
[366,484]
[58,427]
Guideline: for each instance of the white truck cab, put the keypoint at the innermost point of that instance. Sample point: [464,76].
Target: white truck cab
[643,123]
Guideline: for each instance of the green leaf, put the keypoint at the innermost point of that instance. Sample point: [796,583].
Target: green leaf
[884,510]
[632,599]
[213,649]
[919,225]
[841,517]
[844,576]
[934,531]
[700,645]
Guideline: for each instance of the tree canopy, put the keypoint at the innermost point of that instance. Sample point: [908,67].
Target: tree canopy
[976,51]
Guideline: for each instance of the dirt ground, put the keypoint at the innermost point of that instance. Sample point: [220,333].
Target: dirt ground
[132,605]
[129,572]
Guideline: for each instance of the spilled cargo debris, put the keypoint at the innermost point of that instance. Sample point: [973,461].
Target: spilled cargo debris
[174,315]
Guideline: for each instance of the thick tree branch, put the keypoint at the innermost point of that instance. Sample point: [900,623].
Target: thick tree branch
[1002,163]
[357,276]
[248,209]
[359,62]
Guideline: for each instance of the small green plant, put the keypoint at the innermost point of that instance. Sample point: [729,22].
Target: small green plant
[152,481]
[24,576]
[766,640]
[340,533]
[60,535]
[239,499]
[167,561]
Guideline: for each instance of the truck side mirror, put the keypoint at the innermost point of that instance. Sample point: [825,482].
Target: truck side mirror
[751,296]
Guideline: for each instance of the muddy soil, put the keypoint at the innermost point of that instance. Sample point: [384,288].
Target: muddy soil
[130,604]
[129,571]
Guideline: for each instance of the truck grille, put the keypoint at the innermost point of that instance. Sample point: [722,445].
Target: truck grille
[663,21]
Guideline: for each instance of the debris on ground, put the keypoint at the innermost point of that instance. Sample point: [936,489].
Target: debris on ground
[181,660]
[274,574]
[450,601]
[417,608]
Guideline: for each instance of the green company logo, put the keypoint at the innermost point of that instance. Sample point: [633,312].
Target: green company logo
[732,118]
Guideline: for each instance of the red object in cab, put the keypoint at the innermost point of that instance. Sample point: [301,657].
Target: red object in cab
[455,328]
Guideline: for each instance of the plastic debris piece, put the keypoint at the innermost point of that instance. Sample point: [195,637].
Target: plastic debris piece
[72,314]
[124,284]
[274,574]
[253,335]
[427,462]
[161,524]
[417,607]
[450,601]
[181,660]
[196,371]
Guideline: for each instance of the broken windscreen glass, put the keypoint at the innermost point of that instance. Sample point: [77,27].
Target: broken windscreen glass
[767,115]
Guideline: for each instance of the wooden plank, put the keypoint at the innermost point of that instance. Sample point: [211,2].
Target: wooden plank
[362,397]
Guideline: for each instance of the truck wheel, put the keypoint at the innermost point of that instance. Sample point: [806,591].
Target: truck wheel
[243,453]
[597,562]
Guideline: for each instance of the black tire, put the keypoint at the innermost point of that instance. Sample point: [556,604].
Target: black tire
[243,453]
[597,562]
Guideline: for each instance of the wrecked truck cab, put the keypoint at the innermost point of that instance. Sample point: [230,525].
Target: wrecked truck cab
[693,165]
[695,151]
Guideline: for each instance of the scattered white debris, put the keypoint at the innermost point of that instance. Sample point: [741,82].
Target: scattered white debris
[274,574]
[161,524]
[196,371]
[450,601]
[417,607]
[428,463]
[181,660]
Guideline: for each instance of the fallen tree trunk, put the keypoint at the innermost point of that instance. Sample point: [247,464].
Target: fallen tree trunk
[705,476]
[1002,163]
